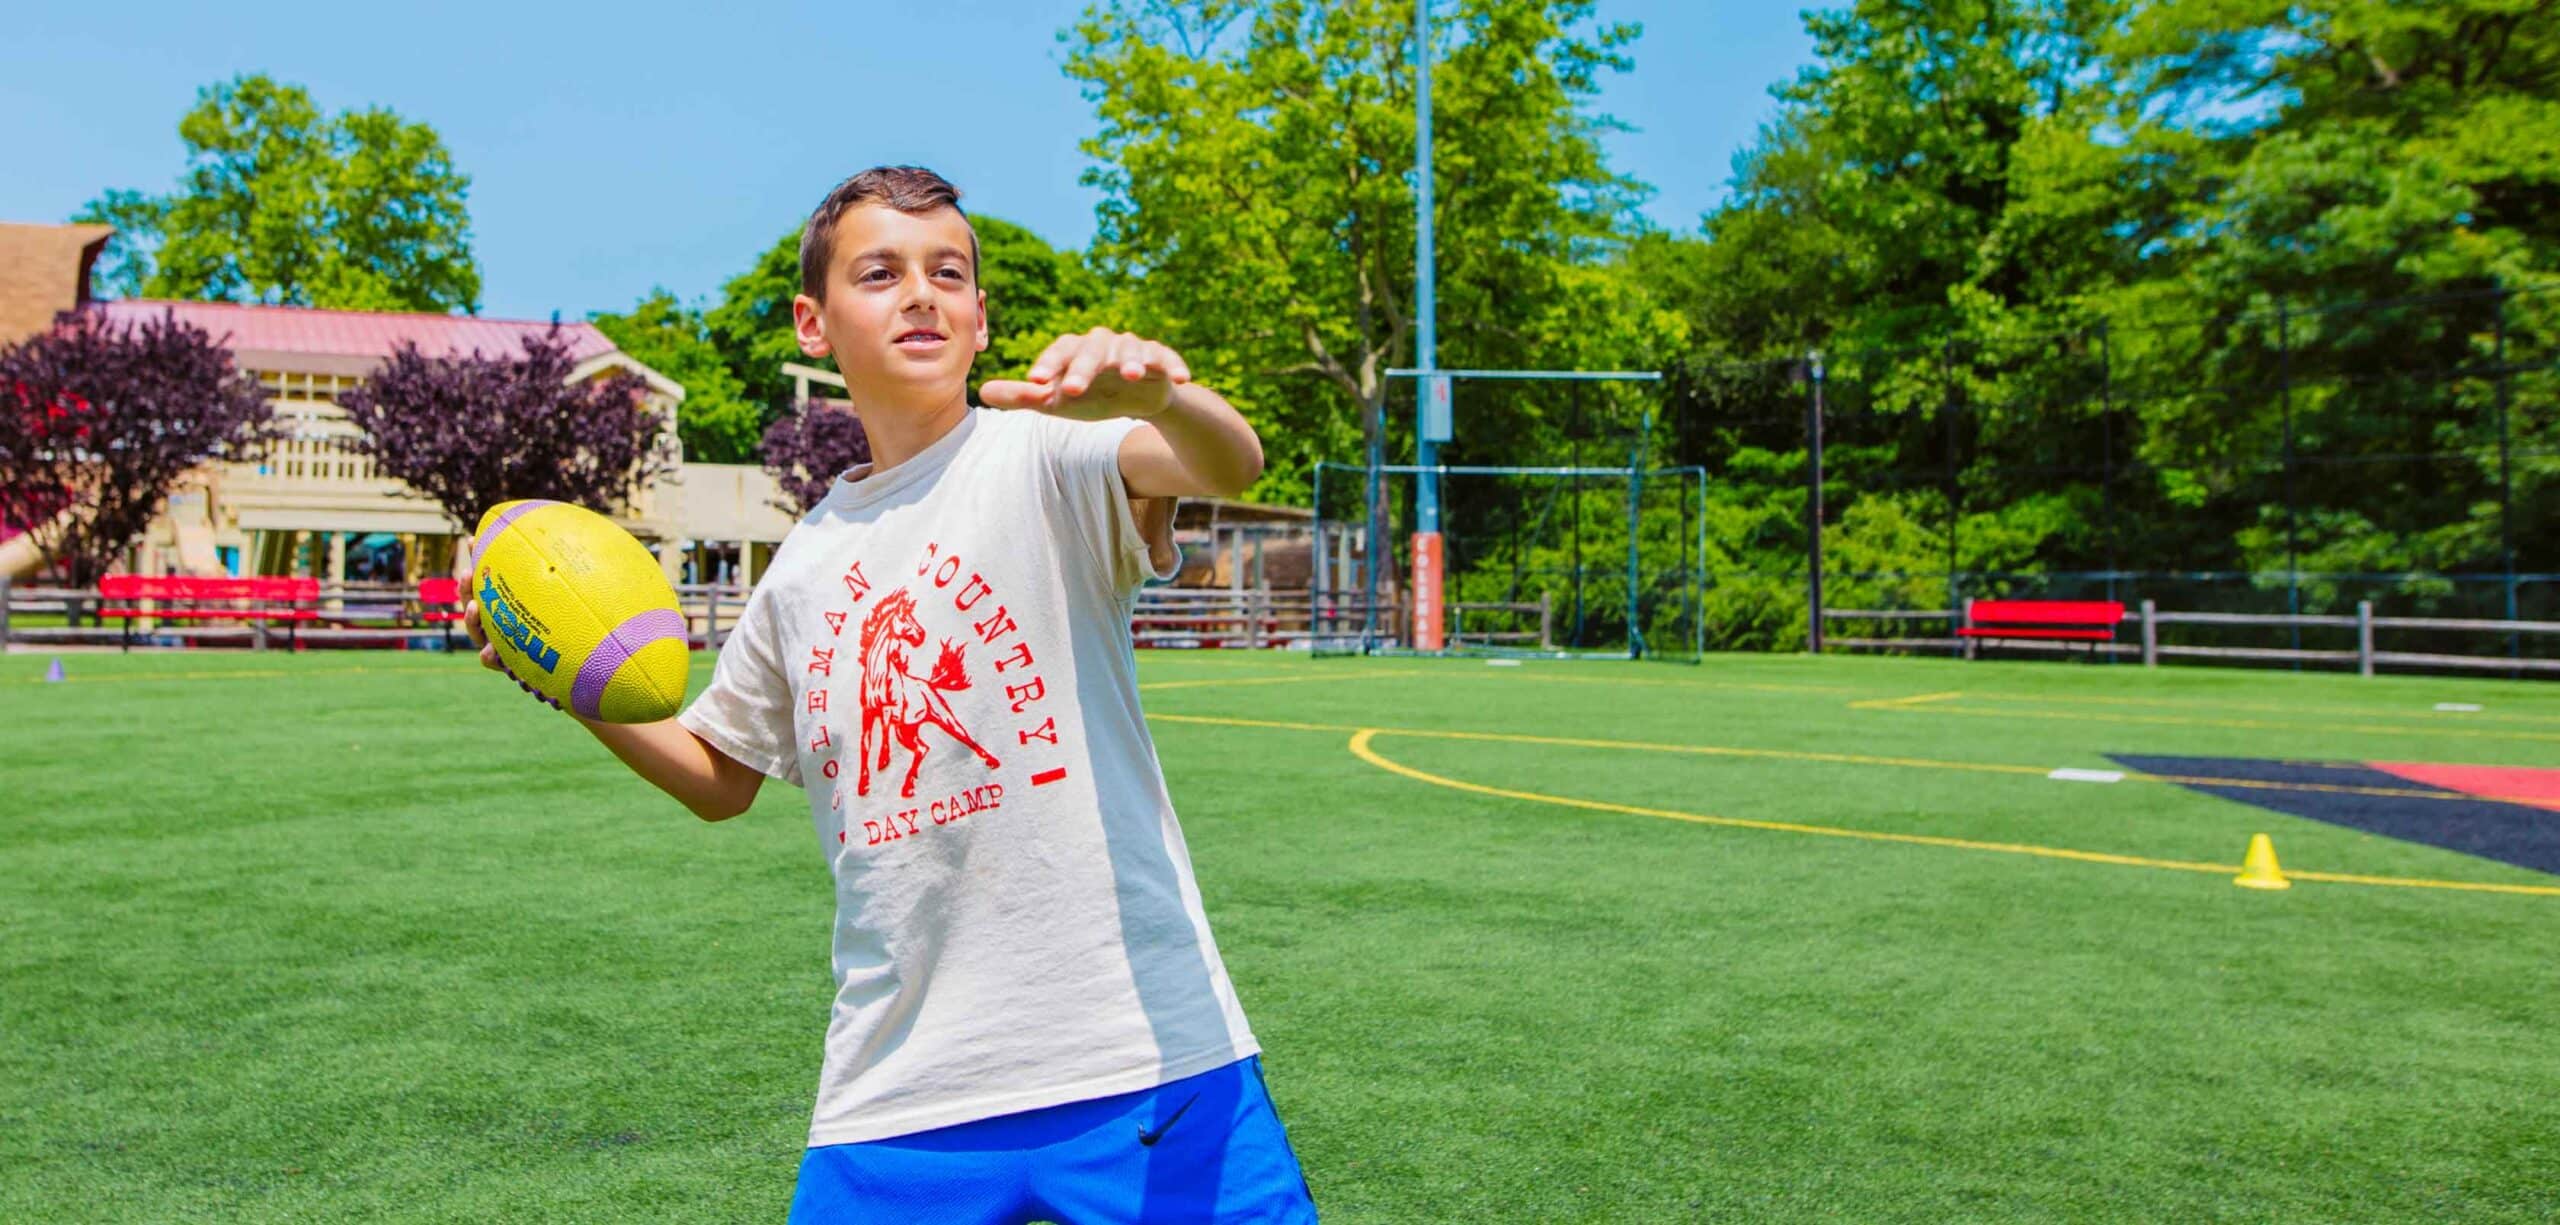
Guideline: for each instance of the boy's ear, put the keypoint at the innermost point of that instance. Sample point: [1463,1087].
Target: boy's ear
[982,321]
[804,324]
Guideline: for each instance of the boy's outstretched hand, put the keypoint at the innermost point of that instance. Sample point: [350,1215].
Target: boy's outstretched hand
[1093,376]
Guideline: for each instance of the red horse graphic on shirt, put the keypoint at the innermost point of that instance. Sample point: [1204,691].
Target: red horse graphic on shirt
[896,703]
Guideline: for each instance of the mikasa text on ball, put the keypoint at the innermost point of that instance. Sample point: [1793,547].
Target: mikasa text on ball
[579,612]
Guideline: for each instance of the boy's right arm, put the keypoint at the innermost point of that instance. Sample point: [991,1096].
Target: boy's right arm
[1154,517]
[709,783]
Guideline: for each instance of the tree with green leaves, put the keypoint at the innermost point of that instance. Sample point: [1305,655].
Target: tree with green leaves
[751,325]
[1937,198]
[717,423]
[1034,291]
[1936,168]
[1256,161]
[283,204]
[2141,284]
[2373,178]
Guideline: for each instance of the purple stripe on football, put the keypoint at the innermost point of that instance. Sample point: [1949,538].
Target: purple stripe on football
[480,545]
[643,628]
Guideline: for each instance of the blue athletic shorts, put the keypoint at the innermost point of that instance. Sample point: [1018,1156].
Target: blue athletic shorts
[1206,1148]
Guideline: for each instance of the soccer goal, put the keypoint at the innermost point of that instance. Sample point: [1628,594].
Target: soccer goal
[1555,562]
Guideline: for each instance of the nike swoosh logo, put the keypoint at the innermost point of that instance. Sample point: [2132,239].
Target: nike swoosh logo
[1149,1138]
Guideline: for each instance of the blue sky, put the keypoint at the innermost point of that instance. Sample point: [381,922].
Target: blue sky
[622,147]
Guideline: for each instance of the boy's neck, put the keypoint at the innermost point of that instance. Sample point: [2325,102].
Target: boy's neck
[899,433]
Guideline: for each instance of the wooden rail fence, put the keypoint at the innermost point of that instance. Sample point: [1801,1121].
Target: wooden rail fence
[2148,620]
[382,614]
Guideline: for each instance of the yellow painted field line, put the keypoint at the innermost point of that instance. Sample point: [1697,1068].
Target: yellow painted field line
[2001,696]
[1710,750]
[1574,742]
[2093,699]
[1362,738]
[1361,747]
[1850,759]
[2257,784]
[1917,699]
[1153,686]
[1560,678]
[2004,696]
[2402,882]
[2236,724]
[1280,725]
[1263,679]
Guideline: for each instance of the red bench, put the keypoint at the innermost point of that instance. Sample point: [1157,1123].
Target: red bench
[440,603]
[182,598]
[2049,620]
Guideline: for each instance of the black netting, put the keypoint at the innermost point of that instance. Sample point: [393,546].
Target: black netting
[2289,460]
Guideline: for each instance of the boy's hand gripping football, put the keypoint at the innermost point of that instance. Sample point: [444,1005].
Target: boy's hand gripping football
[489,654]
[1093,376]
[479,635]
[714,787]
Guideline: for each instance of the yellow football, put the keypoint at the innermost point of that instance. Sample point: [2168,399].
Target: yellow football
[579,611]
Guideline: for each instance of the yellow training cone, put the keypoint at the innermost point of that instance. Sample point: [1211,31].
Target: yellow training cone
[2259,870]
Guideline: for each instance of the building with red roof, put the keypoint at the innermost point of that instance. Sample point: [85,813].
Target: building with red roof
[311,341]
[302,505]
[311,504]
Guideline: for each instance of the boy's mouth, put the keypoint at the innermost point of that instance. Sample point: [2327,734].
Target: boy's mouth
[918,339]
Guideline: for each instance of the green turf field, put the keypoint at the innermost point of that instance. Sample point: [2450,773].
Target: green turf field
[373,937]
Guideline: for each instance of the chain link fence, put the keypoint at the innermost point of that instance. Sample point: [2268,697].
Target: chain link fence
[2286,461]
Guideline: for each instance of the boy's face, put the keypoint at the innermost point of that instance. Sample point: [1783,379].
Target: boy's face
[904,317]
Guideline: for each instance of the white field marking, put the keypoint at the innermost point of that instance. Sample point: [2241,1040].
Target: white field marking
[2068,774]
[2459,708]
[1502,663]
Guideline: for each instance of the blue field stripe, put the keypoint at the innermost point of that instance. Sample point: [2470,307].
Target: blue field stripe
[2509,833]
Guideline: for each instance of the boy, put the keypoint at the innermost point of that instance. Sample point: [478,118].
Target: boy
[1030,1019]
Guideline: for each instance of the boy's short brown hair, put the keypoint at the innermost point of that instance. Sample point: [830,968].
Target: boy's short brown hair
[912,190]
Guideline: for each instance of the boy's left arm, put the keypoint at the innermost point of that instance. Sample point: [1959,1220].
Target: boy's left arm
[1190,443]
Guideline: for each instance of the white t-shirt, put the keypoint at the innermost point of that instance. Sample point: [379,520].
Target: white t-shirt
[1019,928]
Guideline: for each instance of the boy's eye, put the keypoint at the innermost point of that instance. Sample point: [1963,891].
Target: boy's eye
[875,274]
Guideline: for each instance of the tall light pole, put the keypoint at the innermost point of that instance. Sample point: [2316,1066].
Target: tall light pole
[1431,399]
[1812,370]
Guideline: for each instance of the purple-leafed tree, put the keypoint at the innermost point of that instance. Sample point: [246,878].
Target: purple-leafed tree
[102,420]
[469,432]
[808,448]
